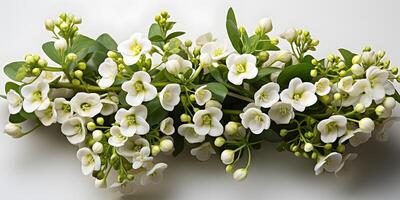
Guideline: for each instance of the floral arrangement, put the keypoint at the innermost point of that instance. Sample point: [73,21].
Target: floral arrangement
[124,104]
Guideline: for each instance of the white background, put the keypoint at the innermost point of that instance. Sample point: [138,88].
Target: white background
[43,165]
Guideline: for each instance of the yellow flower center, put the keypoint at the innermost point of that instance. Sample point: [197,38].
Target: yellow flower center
[241,68]
[131,120]
[206,119]
[136,48]
[85,106]
[37,95]
[138,85]
[218,52]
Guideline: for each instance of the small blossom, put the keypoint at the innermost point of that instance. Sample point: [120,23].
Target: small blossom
[240,174]
[234,131]
[60,44]
[216,50]
[169,96]
[267,95]
[176,65]
[204,39]
[256,120]
[207,121]
[139,89]
[330,163]
[377,78]
[241,67]
[357,70]
[75,130]
[108,71]
[202,95]
[187,131]
[265,24]
[368,58]
[154,175]
[13,130]
[362,90]
[132,145]
[86,104]
[47,116]
[14,102]
[300,95]
[116,139]
[140,157]
[332,128]
[167,126]
[346,83]
[35,96]
[110,106]
[90,161]
[227,156]
[281,113]
[203,152]
[322,87]
[290,35]
[133,121]
[134,48]
[63,109]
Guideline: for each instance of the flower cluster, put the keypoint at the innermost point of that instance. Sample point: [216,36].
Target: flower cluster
[124,104]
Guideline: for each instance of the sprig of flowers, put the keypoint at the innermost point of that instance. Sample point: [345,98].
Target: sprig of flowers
[124,104]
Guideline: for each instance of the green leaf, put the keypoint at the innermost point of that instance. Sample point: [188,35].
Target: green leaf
[11,86]
[171,77]
[179,144]
[218,90]
[174,35]
[155,112]
[122,99]
[301,70]
[231,16]
[218,74]
[265,45]
[11,70]
[107,41]
[234,35]
[155,30]
[51,52]
[83,42]
[156,38]
[16,118]
[347,56]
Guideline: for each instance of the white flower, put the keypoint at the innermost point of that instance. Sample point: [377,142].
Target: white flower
[234,131]
[133,121]
[332,128]
[47,116]
[63,109]
[169,96]
[139,89]
[35,96]
[141,157]
[205,38]
[154,175]
[227,156]
[13,130]
[116,139]
[207,121]
[132,145]
[60,44]
[330,163]
[133,48]
[357,70]
[255,119]
[283,56]
[265,24]
[368,58]
[177,65]
[240,174]
[108,71]
[290,35]
[205,60]
[322,87]
[300,95]
[362,90]
[356,137]
[377,78]
[75,130]
[241,67]
[167,126]
[14,102]
[203,152]
[202,95]
[281,113]
[110,106]
[216,50]
[187,131]
[90,161]
[86,104]
[48,76]
[267,95]
[366,124]
[346,83]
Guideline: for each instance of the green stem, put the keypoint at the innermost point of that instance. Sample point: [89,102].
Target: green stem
[196,73]
[88,88]
[238,96]
[232,112]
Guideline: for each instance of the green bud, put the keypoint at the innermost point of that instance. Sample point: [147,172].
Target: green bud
[314,73]
[325,99]
[283,132]
[314,155]
[185,118]
[331,57]
[157,18]
[356,60]
[49,24]
[328,147]
[100,121]
[76,81]
[309,134]
[192,98]
[315,42]
[219,141]
[196,109]
[342,73]
[36,71]
[77,20]
[196,51]
[294,148]
[367,49]
[229,168]
[188,43]
[341,65]
[91,126]
[394,70]
[340,148]
[78,74]
[29,60]
[242,30]
[398,78]
[314,62]
[263,56]
[42,62]
[274,41]
[297,153]
[164,14]
[337,96]
[155,150]
[71,57]
[64,26]
[112,54]
[82,66]
[63,16]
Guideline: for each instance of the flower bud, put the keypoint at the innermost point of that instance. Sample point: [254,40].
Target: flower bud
[389,103]
[205,59]
[78,74]
[380,54]
[77,20]
[284,56]
[263,56]
[227,156]
[231,128]
[60,44]
[290,35]
[97,135]
[360,108]
[379,110]
[366,124]
[341,65]
[325,99]
[102,183]
[265,25]
[82,66]
[328,147]
[337,96]
[315,42]
[314,73]
[100,121]
[91,126]
[341,148]
[394,70]
[188,43]
[166,145]
[357,70]
[155,150]
[274,41]
[240,174]
[13,130]
[368,58]
[71,57]
[42,62]
[229,168]
[97,147]
[308,147]
[36,71]
[76,81]
[356,60]
[219,141]
[29,59]
[185,118]
[49,24]
[283,132]
[342,73]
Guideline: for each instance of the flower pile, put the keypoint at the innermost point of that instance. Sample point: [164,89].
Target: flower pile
[124,104]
